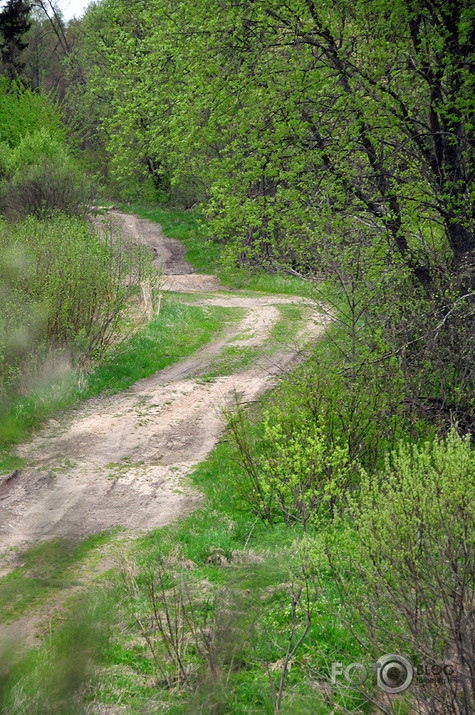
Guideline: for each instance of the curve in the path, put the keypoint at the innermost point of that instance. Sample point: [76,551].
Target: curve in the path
[120,460]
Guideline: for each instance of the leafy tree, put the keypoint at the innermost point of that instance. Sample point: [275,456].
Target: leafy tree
[349,124]
[14,24]
[115,97]
[364,110]
[292,113]
[46,54]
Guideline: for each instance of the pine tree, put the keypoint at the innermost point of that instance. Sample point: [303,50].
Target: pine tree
[14,24]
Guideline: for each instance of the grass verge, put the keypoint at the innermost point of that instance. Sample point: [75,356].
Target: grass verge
[175,334]
[46,569]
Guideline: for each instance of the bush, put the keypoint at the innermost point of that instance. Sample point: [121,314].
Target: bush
[40,189]
[411,587]
[322,422]
[63,286]
[435,337]
[40,144]
[22,111]
[292,471]
[39,175]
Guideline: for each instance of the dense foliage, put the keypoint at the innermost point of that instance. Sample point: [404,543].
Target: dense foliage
[415,566]
[292,116]
[335,139]
[38,173]
[63,285]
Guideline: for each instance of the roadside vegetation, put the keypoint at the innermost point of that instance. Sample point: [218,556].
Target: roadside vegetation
[322,150]
[141,350]
[73,320]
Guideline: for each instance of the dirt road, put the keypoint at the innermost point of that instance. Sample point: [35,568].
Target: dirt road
[121,460]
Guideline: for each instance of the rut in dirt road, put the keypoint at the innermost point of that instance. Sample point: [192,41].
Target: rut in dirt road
[120,460]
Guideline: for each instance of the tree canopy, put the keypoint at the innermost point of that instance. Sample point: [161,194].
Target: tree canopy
[295,114]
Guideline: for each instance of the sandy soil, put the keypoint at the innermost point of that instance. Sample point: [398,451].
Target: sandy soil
[121,460]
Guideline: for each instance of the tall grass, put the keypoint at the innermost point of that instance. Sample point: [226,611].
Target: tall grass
[63,288]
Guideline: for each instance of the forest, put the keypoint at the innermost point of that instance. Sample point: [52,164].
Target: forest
[316,160]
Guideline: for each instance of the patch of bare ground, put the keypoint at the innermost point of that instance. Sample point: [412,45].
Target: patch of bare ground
[168,253]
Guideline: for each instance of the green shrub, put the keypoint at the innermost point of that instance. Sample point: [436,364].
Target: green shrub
[322,422]
[39,174]
[23,111]
[361,405]
[39,145]
[5,159]
[41,177]
[291,471]
[411,584]
[48,186]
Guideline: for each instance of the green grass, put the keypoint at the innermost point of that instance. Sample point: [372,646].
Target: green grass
[254,567]
[210,256]
[232,360]
[221,548]
[176,333]
[49,678]
[46,570]
[286,329]
[9,462]
[24,412]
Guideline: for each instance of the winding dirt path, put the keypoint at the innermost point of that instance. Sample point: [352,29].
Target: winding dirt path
[120,460]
